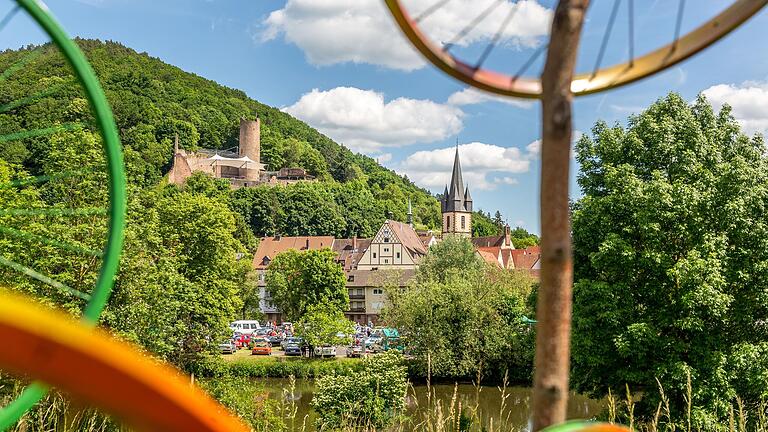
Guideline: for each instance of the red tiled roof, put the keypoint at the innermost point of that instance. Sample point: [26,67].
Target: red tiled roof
[488,256]
[350,251]
[269,247]
[408,238]
[524,259]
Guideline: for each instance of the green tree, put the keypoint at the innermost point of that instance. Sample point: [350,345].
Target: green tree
[671,246]
[483,226]
[321,325]
[298,280]
[522,239]
[463,317]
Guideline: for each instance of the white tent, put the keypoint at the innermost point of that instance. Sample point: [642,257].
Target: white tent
[241,162]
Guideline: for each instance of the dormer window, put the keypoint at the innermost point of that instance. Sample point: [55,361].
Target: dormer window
[266,261]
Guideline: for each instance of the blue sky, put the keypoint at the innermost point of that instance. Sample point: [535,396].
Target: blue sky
[343,67]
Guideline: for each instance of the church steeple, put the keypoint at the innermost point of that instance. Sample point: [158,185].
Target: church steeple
[457,203]
[456,197]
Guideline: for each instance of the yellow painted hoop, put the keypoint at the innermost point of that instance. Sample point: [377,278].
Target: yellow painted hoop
[111,375]
[583,84]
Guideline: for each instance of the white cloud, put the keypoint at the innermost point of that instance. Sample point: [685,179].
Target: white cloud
[484,166]
[362,31]
[383,158]
[363,121]
[472,96]
[748,100]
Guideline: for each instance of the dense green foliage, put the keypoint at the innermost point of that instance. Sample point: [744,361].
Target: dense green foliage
[322,325]
[671,260]
[299,280]
[153,102]
[460,317]
[369,399]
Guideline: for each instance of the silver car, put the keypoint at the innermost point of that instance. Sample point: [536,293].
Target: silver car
[228,347]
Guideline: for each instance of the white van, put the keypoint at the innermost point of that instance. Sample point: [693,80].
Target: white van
[244,326]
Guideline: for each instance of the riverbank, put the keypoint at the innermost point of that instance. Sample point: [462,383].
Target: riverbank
[244,365]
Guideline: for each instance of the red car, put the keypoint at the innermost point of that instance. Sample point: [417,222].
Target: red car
[242,341]
[261,346]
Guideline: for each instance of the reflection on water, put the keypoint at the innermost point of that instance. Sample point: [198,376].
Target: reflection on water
[487,402]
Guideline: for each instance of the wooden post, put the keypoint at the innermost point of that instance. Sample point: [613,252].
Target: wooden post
[550,390]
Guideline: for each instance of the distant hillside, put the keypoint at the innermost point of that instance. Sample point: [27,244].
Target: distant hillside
[154,101]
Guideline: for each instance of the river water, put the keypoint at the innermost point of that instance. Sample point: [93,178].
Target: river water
[487,401]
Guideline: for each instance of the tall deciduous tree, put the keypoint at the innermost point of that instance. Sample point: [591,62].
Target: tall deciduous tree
[671,253]
[463,316]
[298,280]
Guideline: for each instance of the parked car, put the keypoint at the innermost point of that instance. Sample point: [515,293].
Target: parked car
[325,351]
[372,340]
[355,351]
[228,347]
[261,347]
[244,326]
[275,340]
[291,340]
[242,340]
[292,349]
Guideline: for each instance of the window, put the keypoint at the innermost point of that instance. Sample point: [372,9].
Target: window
[386,239]
[386,261]
[359,291]
[386,249]
[447,223]
[398,255]
[378,291]
[463,224]
[351,278]
[374,254]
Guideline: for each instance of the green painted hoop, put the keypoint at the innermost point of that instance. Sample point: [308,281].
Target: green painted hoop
[39,12]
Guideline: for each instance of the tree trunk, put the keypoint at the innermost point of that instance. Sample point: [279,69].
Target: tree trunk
[550,391]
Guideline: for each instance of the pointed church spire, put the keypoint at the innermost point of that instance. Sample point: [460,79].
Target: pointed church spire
[457,182]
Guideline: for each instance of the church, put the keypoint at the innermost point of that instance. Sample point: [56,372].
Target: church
[392,256]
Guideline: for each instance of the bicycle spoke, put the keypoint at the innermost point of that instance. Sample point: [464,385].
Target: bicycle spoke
[53,211]
[46,178]
[606,37]
[42,278]
[678,23]
[469,27]
[50,242]
[39,132]
[530,61]
[19,64]
[9,16]
[631,13]
[430,10]
[496,37]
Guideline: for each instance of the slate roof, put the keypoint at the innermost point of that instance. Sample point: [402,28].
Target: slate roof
[456,197]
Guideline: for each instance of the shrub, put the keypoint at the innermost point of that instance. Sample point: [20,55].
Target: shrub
[370,398]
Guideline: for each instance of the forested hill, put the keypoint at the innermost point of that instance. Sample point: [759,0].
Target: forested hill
[153,101]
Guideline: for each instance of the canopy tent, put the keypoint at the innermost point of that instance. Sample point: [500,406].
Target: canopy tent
[241,162]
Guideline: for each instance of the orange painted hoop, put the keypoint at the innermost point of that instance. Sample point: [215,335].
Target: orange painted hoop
[587,83]
[111,375]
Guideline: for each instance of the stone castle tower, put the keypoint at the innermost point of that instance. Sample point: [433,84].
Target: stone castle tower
[250,145]
[457,204]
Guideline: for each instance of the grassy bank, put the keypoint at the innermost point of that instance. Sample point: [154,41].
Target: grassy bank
[274,367]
